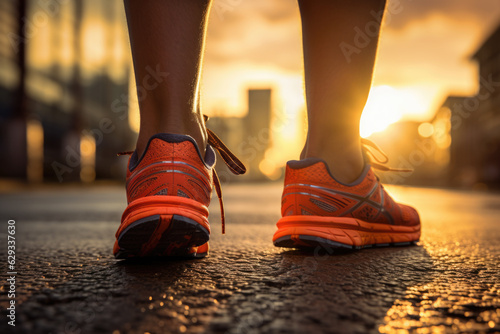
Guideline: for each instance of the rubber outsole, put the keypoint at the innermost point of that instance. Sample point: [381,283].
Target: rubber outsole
[307,241]
[159,235]
[341,232]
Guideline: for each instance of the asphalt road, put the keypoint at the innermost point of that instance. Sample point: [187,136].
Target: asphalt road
[67,280]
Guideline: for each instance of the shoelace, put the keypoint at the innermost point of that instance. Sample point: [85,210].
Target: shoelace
[233,163]
[238,168]
[377,162]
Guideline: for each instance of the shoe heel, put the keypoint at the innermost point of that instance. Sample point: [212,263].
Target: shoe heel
[161,235]
[182,234]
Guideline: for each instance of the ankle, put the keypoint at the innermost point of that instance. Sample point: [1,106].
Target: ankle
[193,127]
[343,157]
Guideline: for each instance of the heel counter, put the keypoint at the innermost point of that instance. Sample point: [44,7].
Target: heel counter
[192,179]
[170,169]
[288,196]
[140,179]
[299,195]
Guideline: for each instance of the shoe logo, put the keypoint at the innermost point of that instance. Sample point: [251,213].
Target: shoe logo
[164,191]
[323,205]
[148,181]
[360,200]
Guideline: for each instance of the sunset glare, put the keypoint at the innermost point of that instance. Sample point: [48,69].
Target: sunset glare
[387,105]
[424,55]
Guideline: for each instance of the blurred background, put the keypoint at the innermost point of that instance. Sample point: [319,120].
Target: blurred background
[68,100]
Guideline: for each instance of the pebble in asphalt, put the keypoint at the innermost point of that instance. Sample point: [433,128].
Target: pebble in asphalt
[69,282]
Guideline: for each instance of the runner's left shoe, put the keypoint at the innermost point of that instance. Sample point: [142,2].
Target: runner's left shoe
[168,193]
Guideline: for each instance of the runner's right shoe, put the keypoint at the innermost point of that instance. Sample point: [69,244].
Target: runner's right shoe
[318,210]
[168,192]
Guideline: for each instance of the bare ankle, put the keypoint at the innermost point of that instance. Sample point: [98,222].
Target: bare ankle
[193,127]
[344,159]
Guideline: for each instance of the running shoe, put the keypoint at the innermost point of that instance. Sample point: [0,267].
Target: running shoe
[318,210]
[168,192]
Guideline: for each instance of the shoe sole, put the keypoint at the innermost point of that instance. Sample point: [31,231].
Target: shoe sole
[162,236]
[339,232]
[163,226]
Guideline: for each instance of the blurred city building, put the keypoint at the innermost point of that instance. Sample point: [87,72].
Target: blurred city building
[413,146]
[460,145]
[64,87]
[66,92]
[474,124]
[249,137]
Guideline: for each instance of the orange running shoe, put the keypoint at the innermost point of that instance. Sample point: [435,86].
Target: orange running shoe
[317,210]
[168,193]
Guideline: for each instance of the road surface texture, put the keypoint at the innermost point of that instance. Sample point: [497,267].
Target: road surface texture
[68,281]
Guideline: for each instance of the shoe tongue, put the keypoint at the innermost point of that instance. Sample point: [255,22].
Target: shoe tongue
[134,161]
[209,159]
[306,162]
[209,156]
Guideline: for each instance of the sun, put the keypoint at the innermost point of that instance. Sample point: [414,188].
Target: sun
[382,109]
[387,105]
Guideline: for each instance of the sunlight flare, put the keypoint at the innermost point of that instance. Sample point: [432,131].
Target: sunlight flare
[387,105]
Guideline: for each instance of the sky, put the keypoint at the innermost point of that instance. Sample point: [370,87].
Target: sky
[424,55]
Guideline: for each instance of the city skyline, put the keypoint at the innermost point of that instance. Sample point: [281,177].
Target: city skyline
[423,56]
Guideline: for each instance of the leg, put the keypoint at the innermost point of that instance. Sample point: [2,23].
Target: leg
[168,36]
[336,87]
[318,209]
[169,185]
